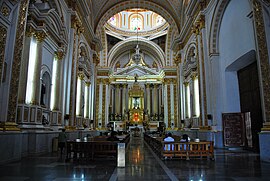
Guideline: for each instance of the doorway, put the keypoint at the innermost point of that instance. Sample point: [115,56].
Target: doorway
[250,100]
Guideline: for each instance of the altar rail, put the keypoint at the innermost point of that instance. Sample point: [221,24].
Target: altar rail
[88,150]
[182,150]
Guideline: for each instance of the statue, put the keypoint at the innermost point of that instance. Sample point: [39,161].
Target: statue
[43,92]
[136,77]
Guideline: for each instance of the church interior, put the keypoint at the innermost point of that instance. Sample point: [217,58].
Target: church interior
[143,69]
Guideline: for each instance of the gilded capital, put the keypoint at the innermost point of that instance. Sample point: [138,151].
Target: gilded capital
[75,22]
[80,30]
[186,84]
[194,76]
[201,22]
[81,76]
[105,81]
[40,36]
[29,31]
[177,59]
[196,29]
[59,55]
[87,84]
[96,59]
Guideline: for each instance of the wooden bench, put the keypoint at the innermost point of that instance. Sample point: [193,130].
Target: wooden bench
[182,150]
[88,150]
[187,150]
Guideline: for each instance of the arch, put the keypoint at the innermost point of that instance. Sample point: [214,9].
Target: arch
[215,26]
[144,44]
[132,4]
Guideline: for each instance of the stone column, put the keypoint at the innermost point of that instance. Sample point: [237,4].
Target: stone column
[79,94]
[159,99]
[148,98]
[87,100]
[155,99]
[165,98]
[172,104]
[117,99]
[56,88]
[90,113]
[24,65]
[201,61]
[76,30]
[124,99]
[40,36]
[187,108]
[112,103]
[194,113]
[107,102]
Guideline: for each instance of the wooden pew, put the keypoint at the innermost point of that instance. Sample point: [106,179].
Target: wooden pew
[182,150]
[88,150]
[187,150]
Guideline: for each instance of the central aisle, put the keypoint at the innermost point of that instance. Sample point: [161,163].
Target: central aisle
[141,164]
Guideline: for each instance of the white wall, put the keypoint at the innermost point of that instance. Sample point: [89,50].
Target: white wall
[236,38]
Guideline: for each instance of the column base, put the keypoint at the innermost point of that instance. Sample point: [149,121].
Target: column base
[264,138]
[266,127]
[9,126]
[33,126]
[205,128]
[70,128]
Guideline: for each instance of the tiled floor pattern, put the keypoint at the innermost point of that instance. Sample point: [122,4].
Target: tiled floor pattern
[141,164]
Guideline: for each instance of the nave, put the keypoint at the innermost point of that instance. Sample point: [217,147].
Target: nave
[141,164]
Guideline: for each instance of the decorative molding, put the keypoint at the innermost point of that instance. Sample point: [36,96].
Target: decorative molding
[5,11]
[175,105]
[169,106]
[3,39]
[103,105]
[215,25]
[9,126]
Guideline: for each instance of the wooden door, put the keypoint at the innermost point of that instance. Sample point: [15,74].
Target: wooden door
[250,100]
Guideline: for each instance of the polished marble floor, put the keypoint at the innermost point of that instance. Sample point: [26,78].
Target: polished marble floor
[141,164]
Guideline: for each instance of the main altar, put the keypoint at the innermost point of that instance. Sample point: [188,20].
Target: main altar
[136,104]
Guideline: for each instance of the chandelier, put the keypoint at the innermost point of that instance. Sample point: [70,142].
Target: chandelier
[137,56]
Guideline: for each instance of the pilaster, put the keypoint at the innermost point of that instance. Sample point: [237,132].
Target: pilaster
[263,63]
[17,58]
